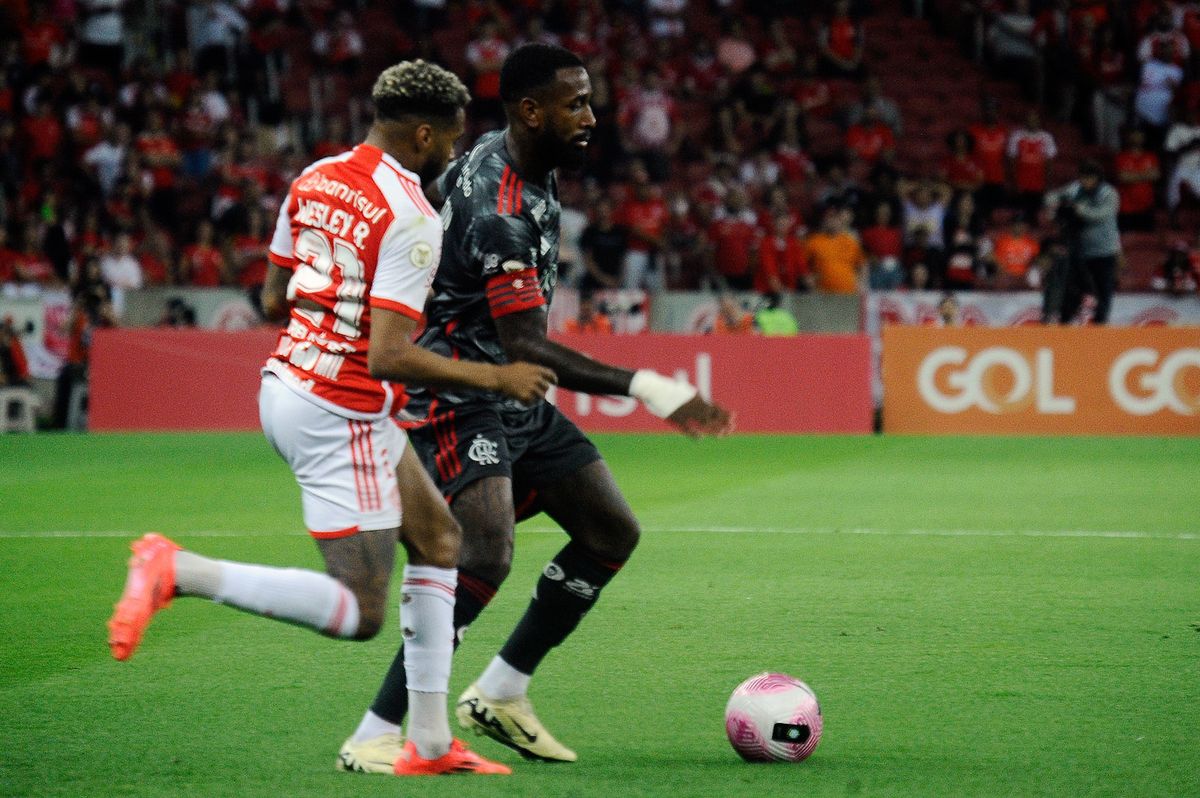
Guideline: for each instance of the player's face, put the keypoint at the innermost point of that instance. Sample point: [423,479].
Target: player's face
[568,117]
[443,137]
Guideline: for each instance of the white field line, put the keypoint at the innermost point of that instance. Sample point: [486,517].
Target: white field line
[715,530]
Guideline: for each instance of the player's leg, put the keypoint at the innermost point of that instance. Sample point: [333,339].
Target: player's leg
[588,505]
[346,473]
[578,491]
[432,536]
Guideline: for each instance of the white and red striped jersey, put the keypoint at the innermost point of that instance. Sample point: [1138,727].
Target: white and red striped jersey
[357,233]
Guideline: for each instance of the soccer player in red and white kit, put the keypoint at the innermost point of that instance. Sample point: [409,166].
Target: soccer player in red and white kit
[354,252]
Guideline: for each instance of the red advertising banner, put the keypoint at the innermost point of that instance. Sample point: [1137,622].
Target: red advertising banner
[176,379]
[205,380]
[1042,380]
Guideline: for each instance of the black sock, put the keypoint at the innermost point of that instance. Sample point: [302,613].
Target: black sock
[471,596]
[567,589]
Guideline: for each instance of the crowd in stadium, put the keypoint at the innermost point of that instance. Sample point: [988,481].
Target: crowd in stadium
[149,143]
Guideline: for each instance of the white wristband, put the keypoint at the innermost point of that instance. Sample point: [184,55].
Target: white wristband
[661,395]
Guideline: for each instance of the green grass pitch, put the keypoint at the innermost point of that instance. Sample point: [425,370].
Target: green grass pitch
[979,616]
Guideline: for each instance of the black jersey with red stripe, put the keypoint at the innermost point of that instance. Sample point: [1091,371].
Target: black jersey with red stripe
[499,256]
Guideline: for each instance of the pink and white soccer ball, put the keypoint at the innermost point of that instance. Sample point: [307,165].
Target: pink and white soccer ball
[773,717]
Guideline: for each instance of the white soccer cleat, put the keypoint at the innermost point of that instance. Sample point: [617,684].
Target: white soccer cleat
[376,755]
[511,722]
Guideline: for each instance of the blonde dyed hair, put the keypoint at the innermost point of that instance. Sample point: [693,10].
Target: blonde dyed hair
[418,88]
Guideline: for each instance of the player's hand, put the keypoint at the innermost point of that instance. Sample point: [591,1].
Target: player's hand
[525,382]
[697,418]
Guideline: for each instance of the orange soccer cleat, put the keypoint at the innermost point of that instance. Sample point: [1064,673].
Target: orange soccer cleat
[459,759]
[149,587]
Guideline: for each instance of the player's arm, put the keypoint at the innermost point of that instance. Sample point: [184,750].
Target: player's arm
[523,336]
[392,355]
[274,301]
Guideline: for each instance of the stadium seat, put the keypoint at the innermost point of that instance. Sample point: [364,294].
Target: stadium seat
[18,409]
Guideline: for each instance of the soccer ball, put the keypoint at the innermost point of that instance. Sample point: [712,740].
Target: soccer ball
[773,717]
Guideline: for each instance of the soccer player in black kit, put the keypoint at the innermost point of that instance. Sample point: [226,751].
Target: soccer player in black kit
[499,461]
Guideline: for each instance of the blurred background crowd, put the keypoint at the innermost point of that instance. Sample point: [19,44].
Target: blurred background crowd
[754,145]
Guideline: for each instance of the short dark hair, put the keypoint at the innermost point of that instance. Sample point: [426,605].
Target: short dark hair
[531,67]
[1091,168]
[418,88]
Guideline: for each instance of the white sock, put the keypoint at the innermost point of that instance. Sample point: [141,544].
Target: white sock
[372,726]
[428,724]
[501,680]
[290,594]
[427,623]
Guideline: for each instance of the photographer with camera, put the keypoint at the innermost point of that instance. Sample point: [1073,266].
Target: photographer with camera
[1086,213]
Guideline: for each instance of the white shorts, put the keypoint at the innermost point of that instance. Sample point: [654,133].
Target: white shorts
[346,468]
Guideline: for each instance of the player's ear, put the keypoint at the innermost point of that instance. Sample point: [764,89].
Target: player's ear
[423,136]
[530,112]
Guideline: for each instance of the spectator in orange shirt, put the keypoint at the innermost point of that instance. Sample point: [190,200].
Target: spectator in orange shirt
[1013,251]
[590,319]
[732,318]
[1137,174]
[782,261]
[835,255]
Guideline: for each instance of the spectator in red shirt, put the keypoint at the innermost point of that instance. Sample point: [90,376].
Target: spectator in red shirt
[989,138]
[159,150]
[644,214]
[1110,98]
[42,41]
[32,267]
[648,119]
[486,54]
[735,237]
[340,45]
[154,255]
[883,243]
[1031,149]
[1137,172]
[783,260]
[335,141]
[840,43]
[43,133]
[247,255]
[960,170]
[869,139]
[202,263]
[14,366]
[9,258]
[811,91]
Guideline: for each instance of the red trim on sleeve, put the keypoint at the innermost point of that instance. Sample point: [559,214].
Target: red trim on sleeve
[503,186]
[281,260]
[514,292]
[398,307]
[334,534]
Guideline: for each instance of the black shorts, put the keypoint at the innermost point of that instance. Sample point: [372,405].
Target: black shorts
[534,448]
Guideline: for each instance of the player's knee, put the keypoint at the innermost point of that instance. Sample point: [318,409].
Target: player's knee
[612,536]
[624,538]
[487,553]
[438,544]
[369,625]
